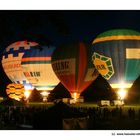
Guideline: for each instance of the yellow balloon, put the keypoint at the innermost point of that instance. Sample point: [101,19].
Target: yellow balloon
[15,91]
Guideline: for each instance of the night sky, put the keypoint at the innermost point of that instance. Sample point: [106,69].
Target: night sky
[58,27]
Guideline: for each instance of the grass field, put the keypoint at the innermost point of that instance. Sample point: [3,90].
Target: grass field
[125,108]
[86,105]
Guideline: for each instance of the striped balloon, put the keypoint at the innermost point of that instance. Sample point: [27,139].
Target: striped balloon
[73,66]
[15,91]
[11,62]
[36,65]
[116,55]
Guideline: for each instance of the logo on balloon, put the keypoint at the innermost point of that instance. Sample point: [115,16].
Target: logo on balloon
[104,65]
[11,66]
[32,74]
[64,67]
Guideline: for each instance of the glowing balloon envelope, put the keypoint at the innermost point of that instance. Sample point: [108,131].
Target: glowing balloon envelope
[11,62]
[116,55]
[15,91]
[36,65]
[73,66]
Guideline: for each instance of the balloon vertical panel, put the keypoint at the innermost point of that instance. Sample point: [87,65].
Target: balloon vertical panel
[65,70]
[132,63]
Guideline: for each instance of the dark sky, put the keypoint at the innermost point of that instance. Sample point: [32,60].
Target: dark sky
[62,26]
[58,27]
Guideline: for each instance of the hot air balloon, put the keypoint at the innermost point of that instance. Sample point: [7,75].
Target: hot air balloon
[116,55]
[36,66]
[15,91]
[73,66]
[11,62]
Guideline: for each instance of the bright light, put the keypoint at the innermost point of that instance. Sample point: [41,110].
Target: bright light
[18,99]
[45,93]
[27,93]
[122,85]
[75,95]
[122,93]
[28,87]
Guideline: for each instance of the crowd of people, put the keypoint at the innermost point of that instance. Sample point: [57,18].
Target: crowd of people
[61,116]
